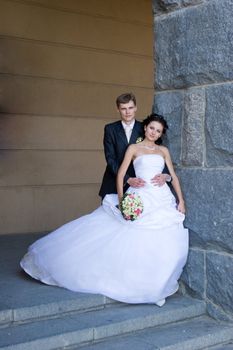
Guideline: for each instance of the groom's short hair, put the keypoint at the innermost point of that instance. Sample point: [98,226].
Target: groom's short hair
[125,98]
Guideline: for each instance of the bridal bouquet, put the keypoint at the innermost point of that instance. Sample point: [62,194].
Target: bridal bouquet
[131,206]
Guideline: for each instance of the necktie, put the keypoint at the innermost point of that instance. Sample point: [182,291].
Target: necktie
[128,131]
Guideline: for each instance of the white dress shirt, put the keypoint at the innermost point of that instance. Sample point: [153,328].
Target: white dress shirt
[128,128]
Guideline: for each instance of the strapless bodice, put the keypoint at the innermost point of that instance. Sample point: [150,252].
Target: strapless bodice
[147,166]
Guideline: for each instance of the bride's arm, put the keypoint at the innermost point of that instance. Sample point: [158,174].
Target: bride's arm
[122,170]
[175,180]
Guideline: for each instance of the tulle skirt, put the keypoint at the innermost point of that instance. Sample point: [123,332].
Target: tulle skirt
[133,262]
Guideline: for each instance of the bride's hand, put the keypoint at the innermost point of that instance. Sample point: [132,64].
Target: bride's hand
[181,207]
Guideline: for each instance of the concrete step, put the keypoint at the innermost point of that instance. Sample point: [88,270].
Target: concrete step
[198,333]
[76,329]
[40,307]
[225,346]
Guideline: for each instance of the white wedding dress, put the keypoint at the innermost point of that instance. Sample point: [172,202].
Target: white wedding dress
[131,261]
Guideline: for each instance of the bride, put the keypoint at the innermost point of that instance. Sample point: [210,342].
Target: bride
[131,261]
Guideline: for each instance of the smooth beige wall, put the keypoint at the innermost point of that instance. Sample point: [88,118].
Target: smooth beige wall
[62,64]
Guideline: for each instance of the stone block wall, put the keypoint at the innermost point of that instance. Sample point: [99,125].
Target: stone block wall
[194,91]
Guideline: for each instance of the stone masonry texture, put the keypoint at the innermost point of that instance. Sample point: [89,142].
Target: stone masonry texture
[170,104]
[220,284]
[219,125]
[193,42]
[194,45]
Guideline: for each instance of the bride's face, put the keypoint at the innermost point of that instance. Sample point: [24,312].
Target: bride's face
[153,131]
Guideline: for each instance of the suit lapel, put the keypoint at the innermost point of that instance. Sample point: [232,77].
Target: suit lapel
[136,132]
[121,133]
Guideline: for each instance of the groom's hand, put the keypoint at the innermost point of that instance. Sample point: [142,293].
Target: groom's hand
[160,179]
[136,182]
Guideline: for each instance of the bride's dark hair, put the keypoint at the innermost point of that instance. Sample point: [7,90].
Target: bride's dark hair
[154,117]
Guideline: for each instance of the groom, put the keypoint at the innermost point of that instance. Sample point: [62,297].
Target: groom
[117,137]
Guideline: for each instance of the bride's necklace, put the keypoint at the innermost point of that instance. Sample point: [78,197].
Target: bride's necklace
[151,148]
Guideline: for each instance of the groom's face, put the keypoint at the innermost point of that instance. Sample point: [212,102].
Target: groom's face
[127,111]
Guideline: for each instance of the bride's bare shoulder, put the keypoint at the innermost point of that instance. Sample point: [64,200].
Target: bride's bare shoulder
[133,146]
[164,150]
[131,149]
[134,150]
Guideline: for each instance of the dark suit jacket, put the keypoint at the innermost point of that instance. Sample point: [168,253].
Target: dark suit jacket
[115,145]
